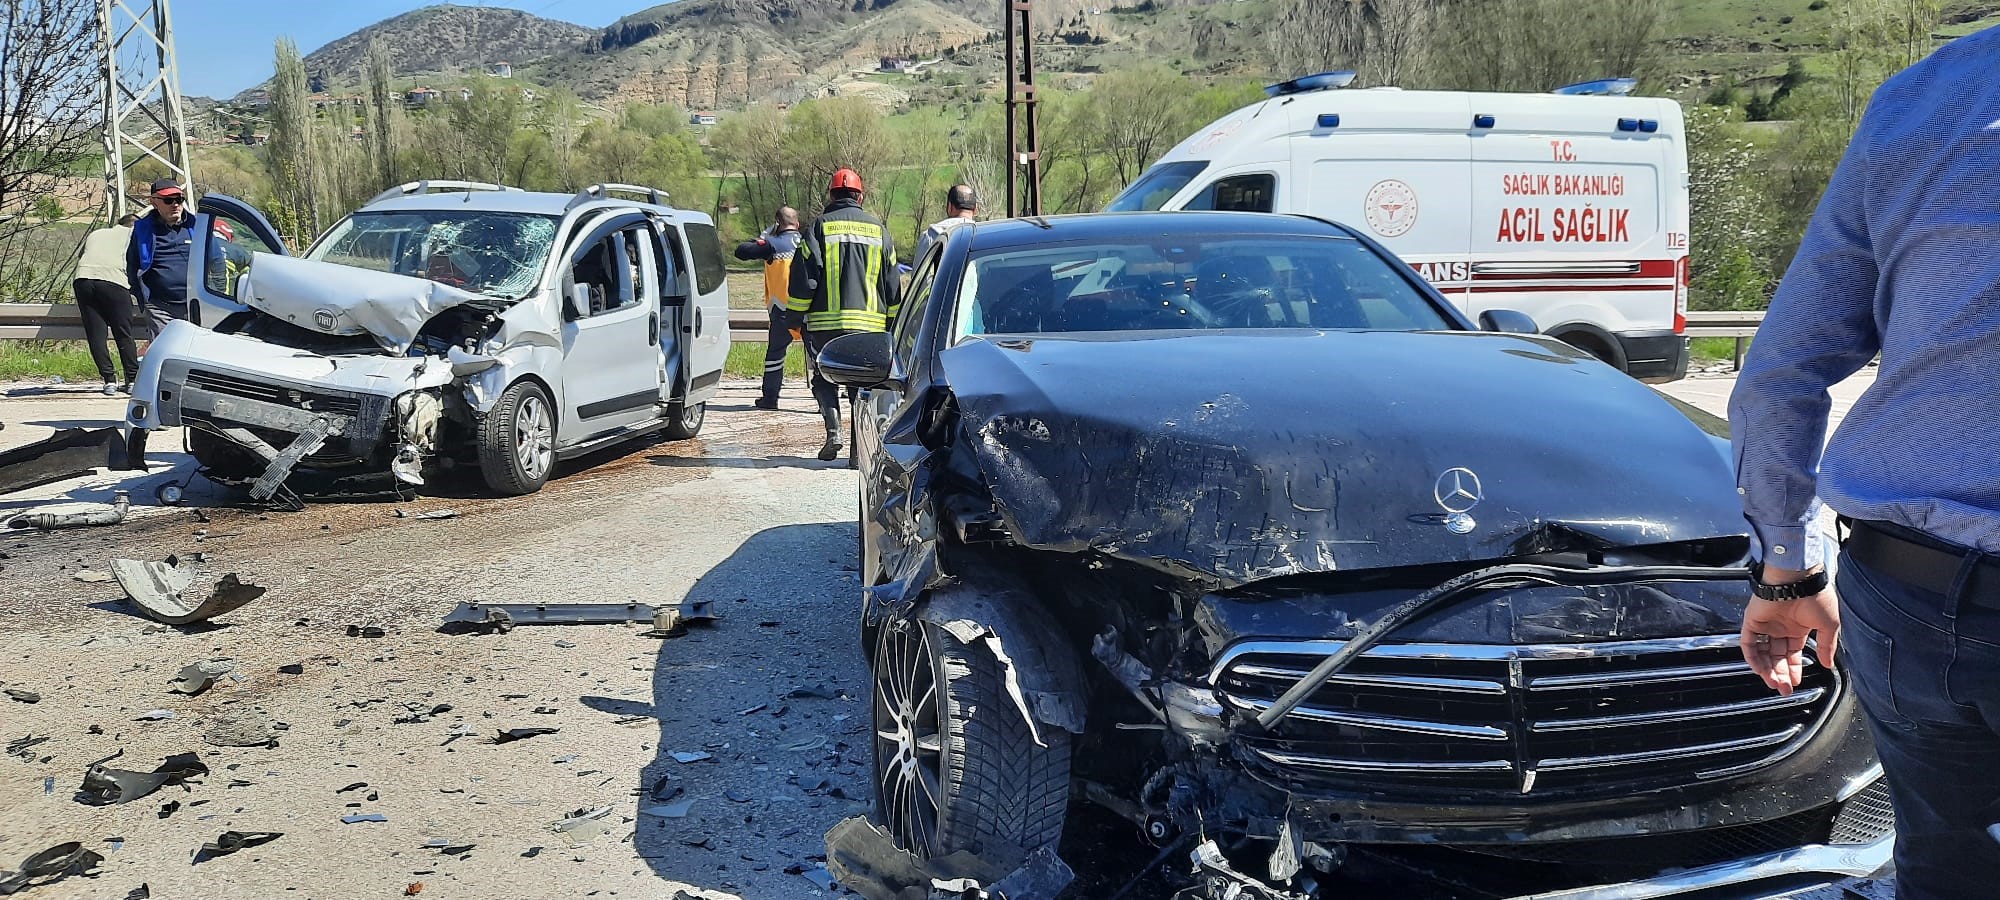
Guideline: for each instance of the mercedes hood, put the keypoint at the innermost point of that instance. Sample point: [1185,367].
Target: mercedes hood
[1234,457]
[345,300]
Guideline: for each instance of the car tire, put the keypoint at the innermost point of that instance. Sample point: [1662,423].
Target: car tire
[221,458]
[517,441]
[959,768]
[684,420]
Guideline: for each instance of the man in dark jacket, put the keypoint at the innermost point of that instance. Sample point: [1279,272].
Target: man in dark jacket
[775,248]
[156,265]
[844,281]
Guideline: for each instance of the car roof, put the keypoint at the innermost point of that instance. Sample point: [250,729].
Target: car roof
[533,202]
[1005,233]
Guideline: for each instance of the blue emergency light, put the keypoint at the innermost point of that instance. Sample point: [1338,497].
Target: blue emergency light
[1329,120]
[1605,87]
[1322,81]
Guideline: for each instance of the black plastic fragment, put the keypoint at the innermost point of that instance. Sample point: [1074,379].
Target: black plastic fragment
[231,841]
[103,785]
[511,735]
[25,696]
[50,866]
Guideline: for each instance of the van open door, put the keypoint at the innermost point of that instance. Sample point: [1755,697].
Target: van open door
[231,233]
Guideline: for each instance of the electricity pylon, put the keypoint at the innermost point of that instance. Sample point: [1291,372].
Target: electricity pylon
[142,96]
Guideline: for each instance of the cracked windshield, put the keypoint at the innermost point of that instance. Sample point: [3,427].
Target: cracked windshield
[497,254]
[1155,450]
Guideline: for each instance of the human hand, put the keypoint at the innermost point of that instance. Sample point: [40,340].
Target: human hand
[1774,636]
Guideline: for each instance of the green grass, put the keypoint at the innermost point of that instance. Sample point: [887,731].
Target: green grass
[1714,349]
[21,360]
[747,361]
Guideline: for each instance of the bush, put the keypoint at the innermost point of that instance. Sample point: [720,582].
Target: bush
[1784,20]
[1817,5]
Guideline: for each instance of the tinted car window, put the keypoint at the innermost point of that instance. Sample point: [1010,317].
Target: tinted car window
[1238,193]
[1156,187]
[707,249]
[1215,281]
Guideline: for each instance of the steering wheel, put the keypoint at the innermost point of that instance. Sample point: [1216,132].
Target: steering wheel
[1241,307]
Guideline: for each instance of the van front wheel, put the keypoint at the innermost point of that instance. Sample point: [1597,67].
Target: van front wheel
[517,441]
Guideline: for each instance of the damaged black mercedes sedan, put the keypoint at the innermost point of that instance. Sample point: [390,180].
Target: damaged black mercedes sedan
[1230,524]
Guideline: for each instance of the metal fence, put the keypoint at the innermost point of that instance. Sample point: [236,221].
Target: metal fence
[62,322]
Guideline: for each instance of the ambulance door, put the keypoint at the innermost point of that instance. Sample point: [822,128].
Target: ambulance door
[1567,220]
[1395,170]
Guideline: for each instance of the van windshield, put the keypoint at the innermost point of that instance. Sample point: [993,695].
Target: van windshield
[1156,187]
[496,254]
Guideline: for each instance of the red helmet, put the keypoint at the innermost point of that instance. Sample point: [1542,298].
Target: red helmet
[845,179]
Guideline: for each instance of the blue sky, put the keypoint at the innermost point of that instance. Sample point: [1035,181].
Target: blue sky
[225,45]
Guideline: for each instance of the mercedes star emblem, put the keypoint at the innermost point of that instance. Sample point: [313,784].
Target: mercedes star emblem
[1457,491]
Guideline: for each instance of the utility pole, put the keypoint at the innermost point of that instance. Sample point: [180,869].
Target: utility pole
[1024,156]
[142,96]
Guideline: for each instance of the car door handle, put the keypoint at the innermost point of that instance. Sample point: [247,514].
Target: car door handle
[653,330]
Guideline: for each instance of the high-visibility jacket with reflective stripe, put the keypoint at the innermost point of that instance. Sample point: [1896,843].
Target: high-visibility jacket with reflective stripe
[844,273]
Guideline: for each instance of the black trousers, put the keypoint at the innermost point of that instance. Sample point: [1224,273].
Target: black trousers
[107,312]
[776,343]
[825,393]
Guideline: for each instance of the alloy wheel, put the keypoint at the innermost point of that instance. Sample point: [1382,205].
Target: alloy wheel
[909,744]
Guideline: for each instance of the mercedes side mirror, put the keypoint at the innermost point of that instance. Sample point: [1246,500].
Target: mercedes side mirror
[1507,321]
[860,360]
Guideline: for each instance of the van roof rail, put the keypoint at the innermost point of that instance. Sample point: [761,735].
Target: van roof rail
[429,185]
[1319,81]
[653,195]
[1608,87]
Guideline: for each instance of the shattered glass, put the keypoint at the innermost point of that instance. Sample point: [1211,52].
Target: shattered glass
[496,254]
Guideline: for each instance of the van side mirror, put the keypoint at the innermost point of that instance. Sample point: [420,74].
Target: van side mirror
[1507,321]
[861,360]
[576,303]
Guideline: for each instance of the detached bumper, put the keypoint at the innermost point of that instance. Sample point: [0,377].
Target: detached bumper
[1770,874]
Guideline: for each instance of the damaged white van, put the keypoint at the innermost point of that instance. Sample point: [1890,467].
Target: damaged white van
[443,323]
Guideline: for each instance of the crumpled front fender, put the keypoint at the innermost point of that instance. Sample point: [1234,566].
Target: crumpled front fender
[988,606]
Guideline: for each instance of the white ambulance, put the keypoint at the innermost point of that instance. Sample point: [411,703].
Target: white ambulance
[1570,206]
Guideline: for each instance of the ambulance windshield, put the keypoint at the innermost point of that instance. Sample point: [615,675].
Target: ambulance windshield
[1156,187]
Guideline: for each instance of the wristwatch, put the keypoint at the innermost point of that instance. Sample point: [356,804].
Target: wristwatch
[1805,587]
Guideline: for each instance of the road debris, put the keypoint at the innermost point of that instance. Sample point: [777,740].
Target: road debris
[863,858]
[92,576]
[366,631]
[433,514]
[50,866]
[673,621]
[510,735]
[447,848]
[804,744]
[814,691]
[160,590]
[103,785]
[231,841]
[168,808]
[415,888]
[142,892]
[584,825]
[154,715]
[352,787]
[121,505]
[675,810]
[23,695]
[359,818]
[242,728]
[505,616]
[199,677]
[66,454]
[20,746]
[686,756]
[1213,871]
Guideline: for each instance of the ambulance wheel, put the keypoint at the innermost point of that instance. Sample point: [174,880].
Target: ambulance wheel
[1595,346]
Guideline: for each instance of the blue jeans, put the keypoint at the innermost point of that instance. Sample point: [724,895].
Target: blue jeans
[1927,670]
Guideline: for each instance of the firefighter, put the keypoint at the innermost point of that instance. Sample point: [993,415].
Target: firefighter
[775,247]
[844,281]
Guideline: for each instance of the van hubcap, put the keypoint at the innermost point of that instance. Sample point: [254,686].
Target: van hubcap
[534,439]
[909,746]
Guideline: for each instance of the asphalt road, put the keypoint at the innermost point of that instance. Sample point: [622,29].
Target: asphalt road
[772,696]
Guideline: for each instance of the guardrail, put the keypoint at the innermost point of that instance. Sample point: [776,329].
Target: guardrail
[62,322]
[1726,324]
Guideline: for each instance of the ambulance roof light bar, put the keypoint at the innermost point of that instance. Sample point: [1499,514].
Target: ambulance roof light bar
[1321,81]
[1609,87]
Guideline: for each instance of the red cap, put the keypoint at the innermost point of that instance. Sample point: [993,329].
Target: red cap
[223,230]
[166,187]
[845,179]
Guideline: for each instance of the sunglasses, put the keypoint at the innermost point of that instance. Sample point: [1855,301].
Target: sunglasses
[171,201]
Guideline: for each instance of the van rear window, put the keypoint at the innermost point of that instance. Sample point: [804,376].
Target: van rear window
[1156,187]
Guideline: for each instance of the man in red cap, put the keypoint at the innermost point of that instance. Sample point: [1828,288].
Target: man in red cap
[156,265]
[844,281]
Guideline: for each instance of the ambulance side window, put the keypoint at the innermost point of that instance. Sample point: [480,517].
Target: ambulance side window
[1238,193]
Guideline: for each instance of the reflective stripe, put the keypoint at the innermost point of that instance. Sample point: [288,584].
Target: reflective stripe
[846,320]
[832,284]
[867,231]
[872,292]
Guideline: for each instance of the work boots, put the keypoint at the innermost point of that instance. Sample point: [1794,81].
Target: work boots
[830,450]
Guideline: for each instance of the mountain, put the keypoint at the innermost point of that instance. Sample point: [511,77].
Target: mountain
[443,38]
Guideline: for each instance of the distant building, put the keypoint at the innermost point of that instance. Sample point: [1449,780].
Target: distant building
[895,64]
[500,70]
[464,95]
[422,97]
[702,118]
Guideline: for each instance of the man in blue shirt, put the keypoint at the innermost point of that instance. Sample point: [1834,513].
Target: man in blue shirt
[156,265]
[1902,259]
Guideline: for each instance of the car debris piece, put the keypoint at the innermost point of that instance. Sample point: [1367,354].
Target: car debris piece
[50,866]
[1221,879]
[366,631]
[23,695]
[154,715]
[482,614]
[415,888]
[690,756]
[20,746]
[199,677]
[92,576]
[168,808]
[673,620]
[242,728]
[813,691]
[863,858]
[363,817]
[584,825]
[292,669]
[103,785]
[142,892]
[121,506]
[160,590]
[804,744]
[65,454]
[510,735]
[231,841]
[433,514]
[675,810]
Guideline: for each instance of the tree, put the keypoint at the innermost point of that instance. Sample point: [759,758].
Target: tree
[1384,41]
[383,111]
[290,154]
[48,121]
[1537,45]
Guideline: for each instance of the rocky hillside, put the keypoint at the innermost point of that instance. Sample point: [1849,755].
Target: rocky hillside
[444,38]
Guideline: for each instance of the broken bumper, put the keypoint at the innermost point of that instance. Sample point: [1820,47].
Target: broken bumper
[1770,874]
